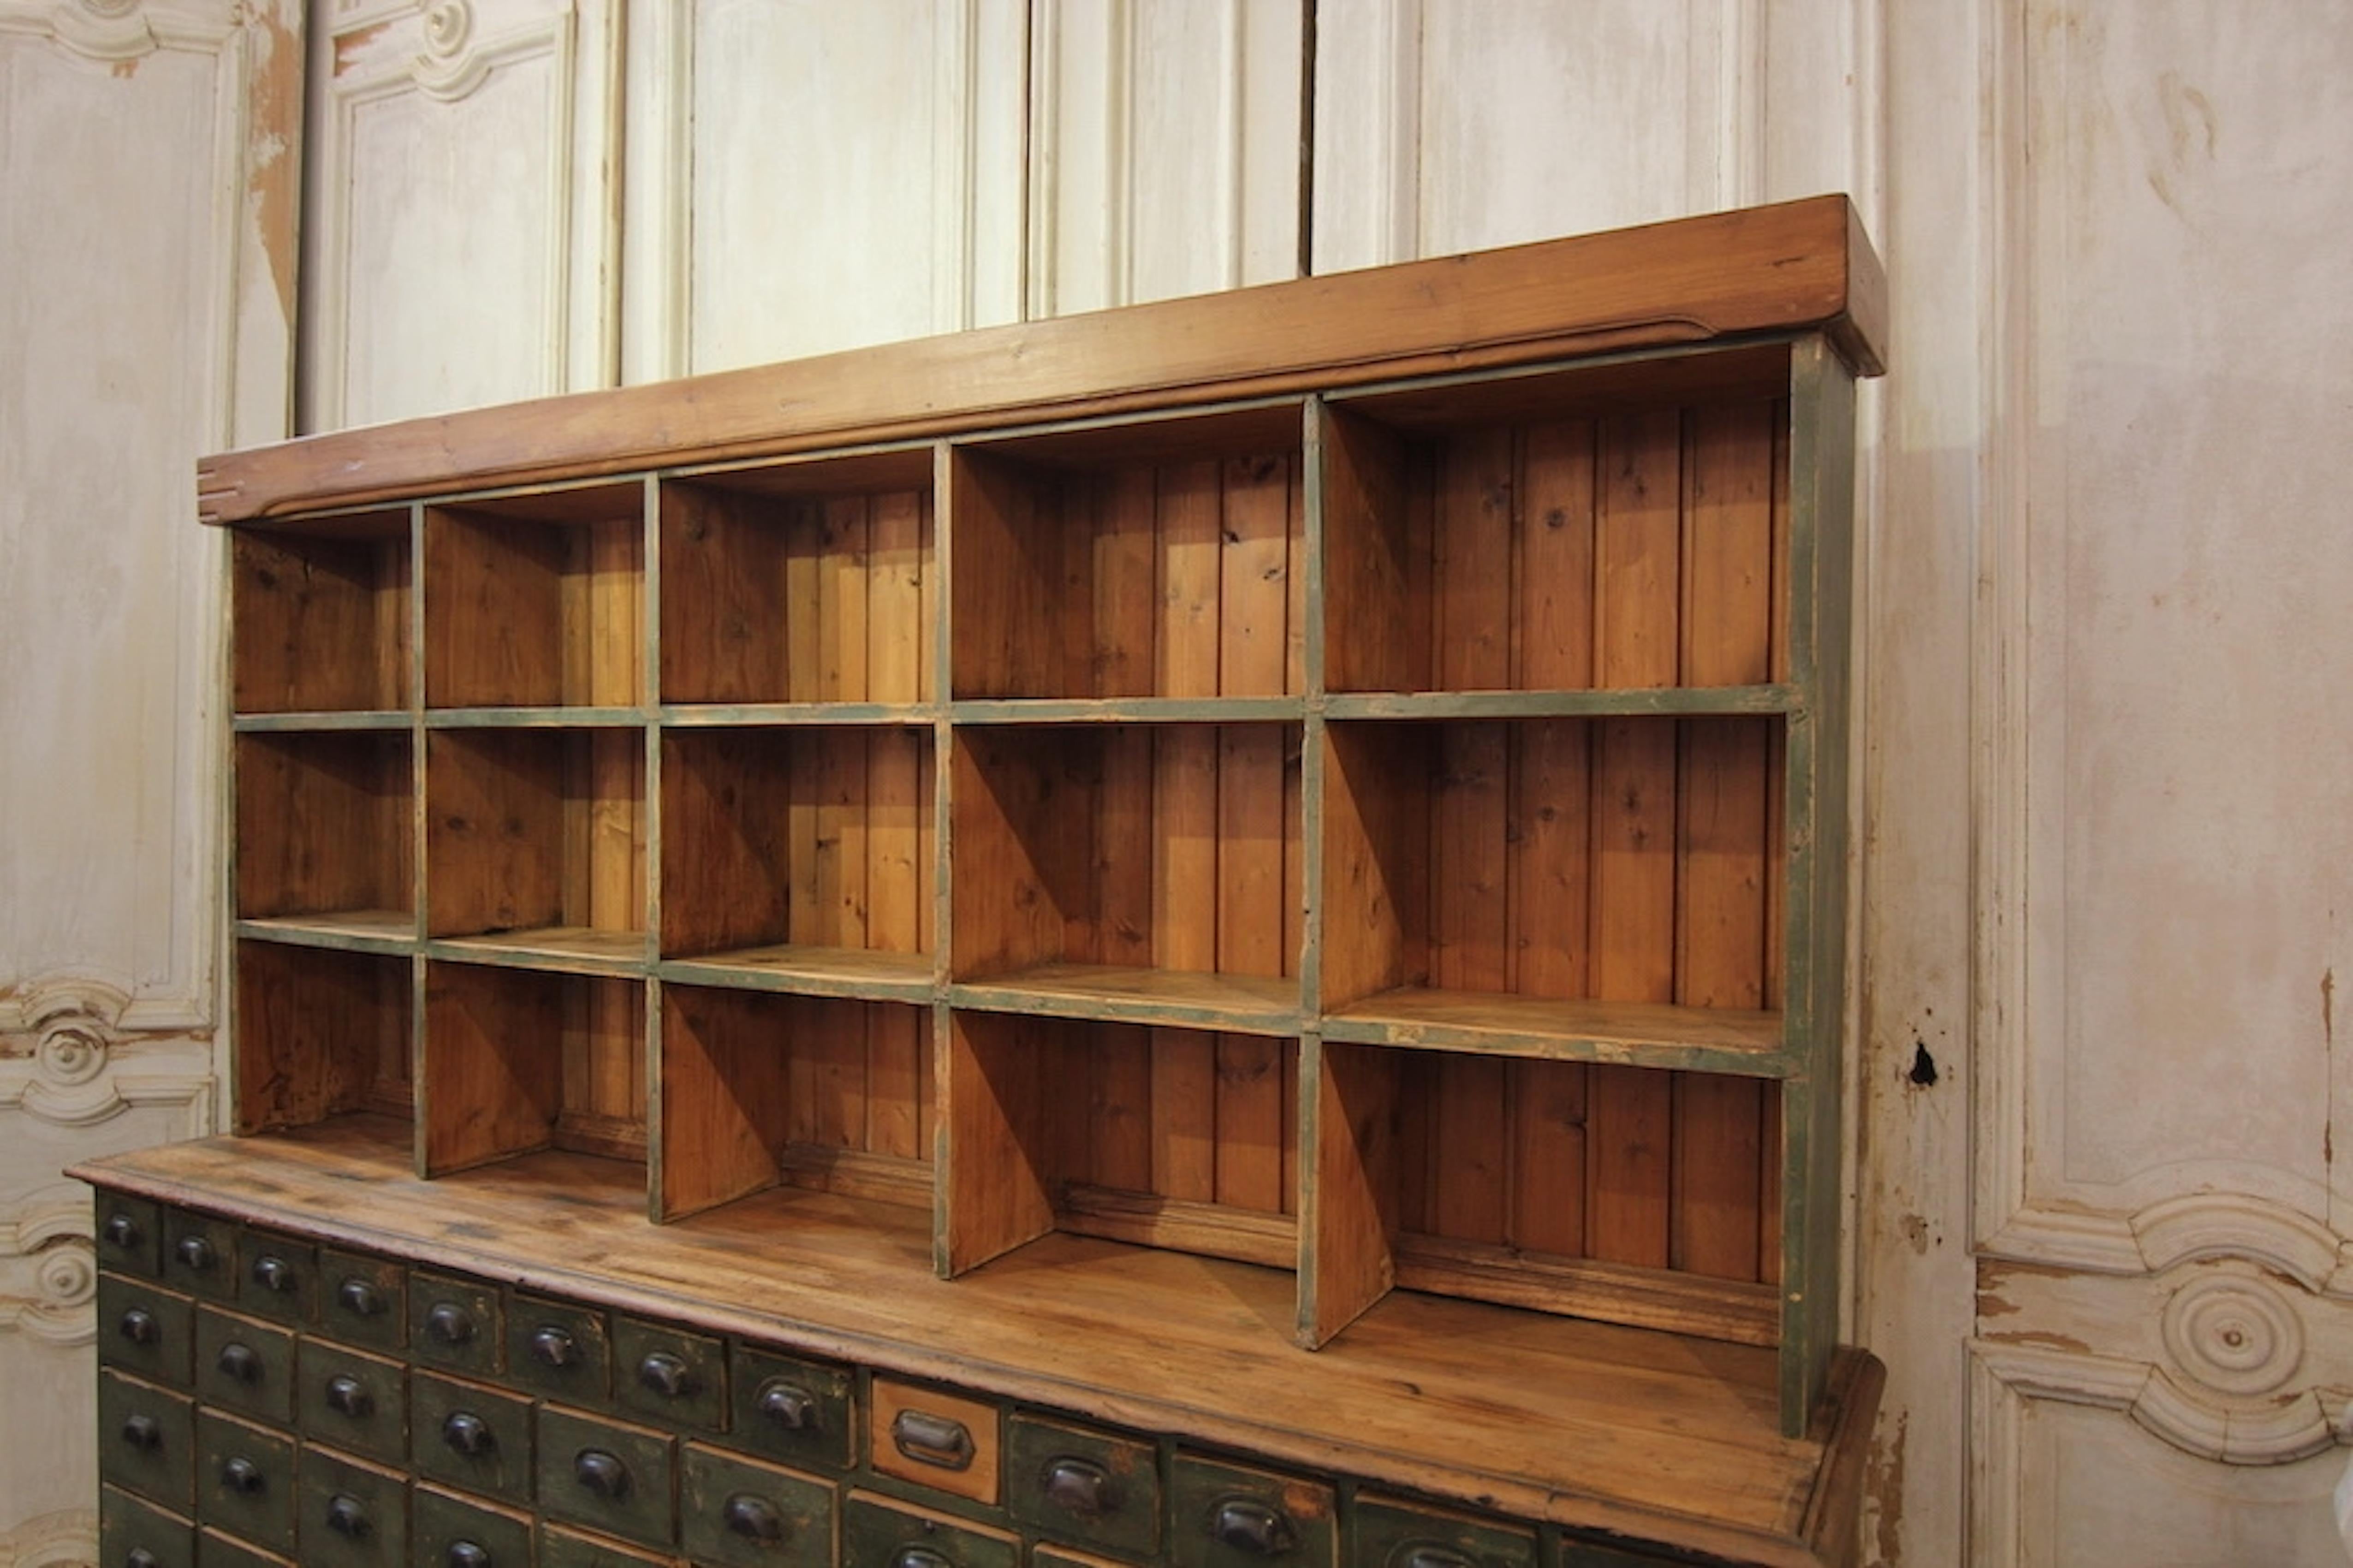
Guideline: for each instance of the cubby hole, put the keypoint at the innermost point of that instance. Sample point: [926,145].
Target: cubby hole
[319,1033]
[326,831]
[1620,528]
[1624,1193]
[1151,871]
[537,600]
[320,614]
[535,840]
[1159,560]
[522,1060]
[801,852]
[1605,887]
[1175,1138]
[761,1090]
[806,581]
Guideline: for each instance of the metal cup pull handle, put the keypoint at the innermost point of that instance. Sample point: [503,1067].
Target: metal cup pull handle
[1077,1485]
[143,1433]
[1247,1525]
[274,1273]
[465,1555]
[242,1476]
[918,1557]
[346,1517]
[347,1395]
[121,1231]
[1425,1556]
[241,1362]
[667,1375]
[787,1404]
[448,1323]
[358,1296]
[196,1252]
[933,1440]
[753,1518]
[552,1347]
[139,1326]
[601,1473]
[468,1433]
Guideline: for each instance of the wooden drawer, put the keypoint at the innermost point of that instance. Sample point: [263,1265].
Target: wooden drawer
[144,1329]
[446,1531]
[1226,1515]
[134,1534]
[469,1435]
[363,1300]
[1575,1553]
[798,1411]
[935,1439]
[129,1234]
[350,1514]
[146,1439]
[244,1365]
[739,1514]
[559,1349]
[1083,1486]
[667,1375]
[200,1255]
[215,1550]
[455,1323]
[244,1480]
[570,1549]
[350,1399]
[877,1534]
[1391,1534]
[277,1278]
[1044,1555]
[611,1478]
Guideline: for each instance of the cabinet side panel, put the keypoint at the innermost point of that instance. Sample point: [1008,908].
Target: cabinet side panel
[996,1189]
[723,1098]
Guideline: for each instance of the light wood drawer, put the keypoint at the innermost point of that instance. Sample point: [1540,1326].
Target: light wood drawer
[935,1439]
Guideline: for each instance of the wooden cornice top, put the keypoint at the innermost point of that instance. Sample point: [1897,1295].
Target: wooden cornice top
[1804,266]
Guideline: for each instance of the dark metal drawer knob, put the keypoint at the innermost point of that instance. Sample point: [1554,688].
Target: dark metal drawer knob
[121,1230]
[448,1323]
[347,1517]
[753,1518]
[465,1555]
[553,1347]
[358,1296]
[669,1376]
[242,1476]
[143,1433]
[1430,1557]
[347,1395]
[196,1252]
[601,1473]
[918,1557]
[140,1327]
[468,1433]
[274,1273]
[1079,1487]
[787,1404]
[932,1440]
[241,1362]
[1247,1525]
[140,1557]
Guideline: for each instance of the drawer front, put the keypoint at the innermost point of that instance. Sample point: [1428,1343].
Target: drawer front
[738,1513]
[450,1532]
[245,1481]
[244,1365]
[144,1329]
[470,1436]
[564,1549]
[1575,1553]
[879,1534]
[132,1533]
[1048,1556]
[215,1550]
[455,1323]
[350,1514]
[129,1233]
[935,1439]
[1391,1534]
[349,1399]
[200,1255]
[668,1375]
[147,1439]
[363,1300]
[798,1411]
[611,1478]
[1231,1516]
[560,1349]
[277,1278]
[1083,1486]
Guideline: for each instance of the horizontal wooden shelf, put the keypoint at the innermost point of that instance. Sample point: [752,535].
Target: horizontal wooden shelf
[361,930]
[810,970]
[1128,711]
[1239,1003]
[1212,1230]
[321,720]
[746,715]
[572,948]
[1601,703]
[1740,1311]
[533,717]
[1628,1034]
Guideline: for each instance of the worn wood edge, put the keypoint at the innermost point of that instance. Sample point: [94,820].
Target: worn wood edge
[1734,1311]
[1842,1425]
[1795,267]
[1269,1240]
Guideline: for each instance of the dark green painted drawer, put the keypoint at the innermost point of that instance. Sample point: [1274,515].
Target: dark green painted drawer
[668,1375]
[144,1329]
[560,1349]
[1080,1485]
[739,1514]
[350,1399]
[1225,1515]
[608,1476]
[786,1408]
[277,1278]
[455,1323]
[134,1534]
[1045,1555]
[200,1255]
[1391,1534]
[215,1550]
[470,1436]
[245,1481]
[146,1439]
[363,1300]
[246,1366]
[567,1549]
[446,1531]
[129,1233]
[1575,1553]
[879,1534]
[350,1514]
